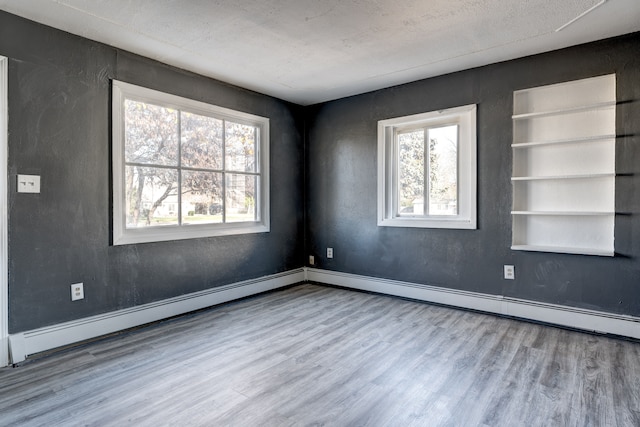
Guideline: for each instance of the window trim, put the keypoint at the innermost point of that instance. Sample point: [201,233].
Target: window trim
[465,117]
[123,235]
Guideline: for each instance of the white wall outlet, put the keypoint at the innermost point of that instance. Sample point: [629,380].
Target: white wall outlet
[77,291]
[329,252]
[28,183]
[312,260]
[509,272]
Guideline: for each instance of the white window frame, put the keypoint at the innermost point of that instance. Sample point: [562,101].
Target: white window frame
[123,235]
[465,118]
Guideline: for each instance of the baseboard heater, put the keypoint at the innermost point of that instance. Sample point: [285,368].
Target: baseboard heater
[35,341]
[24,344]
[561,315]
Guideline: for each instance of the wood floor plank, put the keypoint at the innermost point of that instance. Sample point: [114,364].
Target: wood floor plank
[313,355]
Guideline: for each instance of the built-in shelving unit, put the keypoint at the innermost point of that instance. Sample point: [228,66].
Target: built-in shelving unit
[564,167]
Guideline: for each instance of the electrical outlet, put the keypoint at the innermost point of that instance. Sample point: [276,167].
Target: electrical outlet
[312,260]
[509,272]
[77,291]
[329,252]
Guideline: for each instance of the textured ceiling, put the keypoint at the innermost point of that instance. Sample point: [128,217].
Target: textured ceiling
[309,51]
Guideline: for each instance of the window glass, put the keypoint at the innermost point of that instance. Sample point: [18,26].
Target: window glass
[148,192]
[241,197]
[151,135]
[443,170]
[411,169]
[240,147]
[201,141]
[202,196]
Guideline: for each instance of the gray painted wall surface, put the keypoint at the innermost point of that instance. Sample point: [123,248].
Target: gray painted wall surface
[59,128]
[342,176]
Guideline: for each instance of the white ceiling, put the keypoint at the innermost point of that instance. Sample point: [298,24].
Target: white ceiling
[309,51]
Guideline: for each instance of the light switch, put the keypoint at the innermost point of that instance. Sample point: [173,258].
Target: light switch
[28,183]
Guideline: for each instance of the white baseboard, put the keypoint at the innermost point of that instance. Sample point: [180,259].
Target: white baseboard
[4,351]
[31,342]
[27,343]
[588,320]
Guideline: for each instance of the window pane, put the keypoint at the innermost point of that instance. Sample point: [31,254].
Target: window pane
[201,197]
[201,141]
[151,134]
[443,170]
[151,196]
[241,197]
[240,147]
[411,172]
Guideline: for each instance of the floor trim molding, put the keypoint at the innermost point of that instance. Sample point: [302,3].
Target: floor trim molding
[578,318]
[27,343]
[24,344]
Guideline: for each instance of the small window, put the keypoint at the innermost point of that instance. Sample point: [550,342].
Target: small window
[427,170]
[185,169]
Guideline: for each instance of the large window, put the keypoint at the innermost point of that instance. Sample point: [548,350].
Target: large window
[185,169]
[427,169]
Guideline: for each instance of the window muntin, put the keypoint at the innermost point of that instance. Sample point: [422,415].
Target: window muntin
[427,169]
[185,169]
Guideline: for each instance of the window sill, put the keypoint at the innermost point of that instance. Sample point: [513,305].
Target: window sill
[453,223]
[169,233]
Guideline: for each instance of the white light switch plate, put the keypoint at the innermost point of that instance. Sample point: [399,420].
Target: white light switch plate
[28,183]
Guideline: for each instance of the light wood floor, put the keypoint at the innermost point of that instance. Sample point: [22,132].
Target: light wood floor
[314,355]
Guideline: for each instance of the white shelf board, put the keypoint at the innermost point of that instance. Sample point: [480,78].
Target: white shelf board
[564,141]
[598,106]
[558,177]
[564,250]
[563,213]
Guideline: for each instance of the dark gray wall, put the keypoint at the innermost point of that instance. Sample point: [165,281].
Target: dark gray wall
[59,128]
[342,175]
